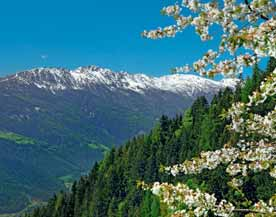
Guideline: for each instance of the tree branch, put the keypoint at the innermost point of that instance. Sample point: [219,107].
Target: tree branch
[253,211]
[248,211]
[249,7]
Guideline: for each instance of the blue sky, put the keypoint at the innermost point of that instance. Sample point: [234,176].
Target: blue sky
[64,33]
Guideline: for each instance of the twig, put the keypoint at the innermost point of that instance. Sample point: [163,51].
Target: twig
[250,8]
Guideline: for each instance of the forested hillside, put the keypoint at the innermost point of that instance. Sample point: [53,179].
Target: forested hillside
[110,190]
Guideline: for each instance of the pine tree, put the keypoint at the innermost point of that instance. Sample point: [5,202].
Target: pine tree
[271,65]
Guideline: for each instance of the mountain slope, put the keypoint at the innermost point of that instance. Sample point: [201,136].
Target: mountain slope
[69,118]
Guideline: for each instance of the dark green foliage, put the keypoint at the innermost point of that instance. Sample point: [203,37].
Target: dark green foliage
[110,190]
[271,65]
[150,206]
[251,84]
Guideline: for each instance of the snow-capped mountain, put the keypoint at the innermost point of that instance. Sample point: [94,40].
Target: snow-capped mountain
[97,97]
[58,79]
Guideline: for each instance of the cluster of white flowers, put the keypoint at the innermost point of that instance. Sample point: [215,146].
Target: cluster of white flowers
[260,39]
[265,126]
[207,160]
[257,157]
[273,172]
[168,31]
[224,209]
[172,10]
[267,89]
[198,203]
[236,183]
[248,34]
[245,25]
[182,21]
[262,207]
[248,123]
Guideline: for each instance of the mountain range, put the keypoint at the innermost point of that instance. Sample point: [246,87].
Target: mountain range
[56,123]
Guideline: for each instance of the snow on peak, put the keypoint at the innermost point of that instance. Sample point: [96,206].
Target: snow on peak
[58,79]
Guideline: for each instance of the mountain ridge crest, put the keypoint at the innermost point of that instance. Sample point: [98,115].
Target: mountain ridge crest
[59,79]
